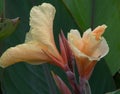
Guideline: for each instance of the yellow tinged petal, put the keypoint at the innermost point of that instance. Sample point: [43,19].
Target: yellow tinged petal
[30,52]
[41,22]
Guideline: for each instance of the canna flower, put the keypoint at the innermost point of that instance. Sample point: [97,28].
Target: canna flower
[88,49]
[39,46]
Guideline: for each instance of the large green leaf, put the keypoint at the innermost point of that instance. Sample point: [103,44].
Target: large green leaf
[81,11]
[23,78]
[101,80]
[91,13]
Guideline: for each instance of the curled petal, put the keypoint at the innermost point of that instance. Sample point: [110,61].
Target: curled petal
[41,22]
[93,44]
[88,49]
[88,45]
[30,52]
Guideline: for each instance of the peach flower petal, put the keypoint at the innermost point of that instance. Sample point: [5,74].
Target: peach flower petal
[88,49]
[30,52]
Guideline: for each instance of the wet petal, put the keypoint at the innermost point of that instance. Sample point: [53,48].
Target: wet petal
[30,52]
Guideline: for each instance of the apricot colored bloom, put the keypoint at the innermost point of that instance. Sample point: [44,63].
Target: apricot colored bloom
[88,49]
[39,43]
